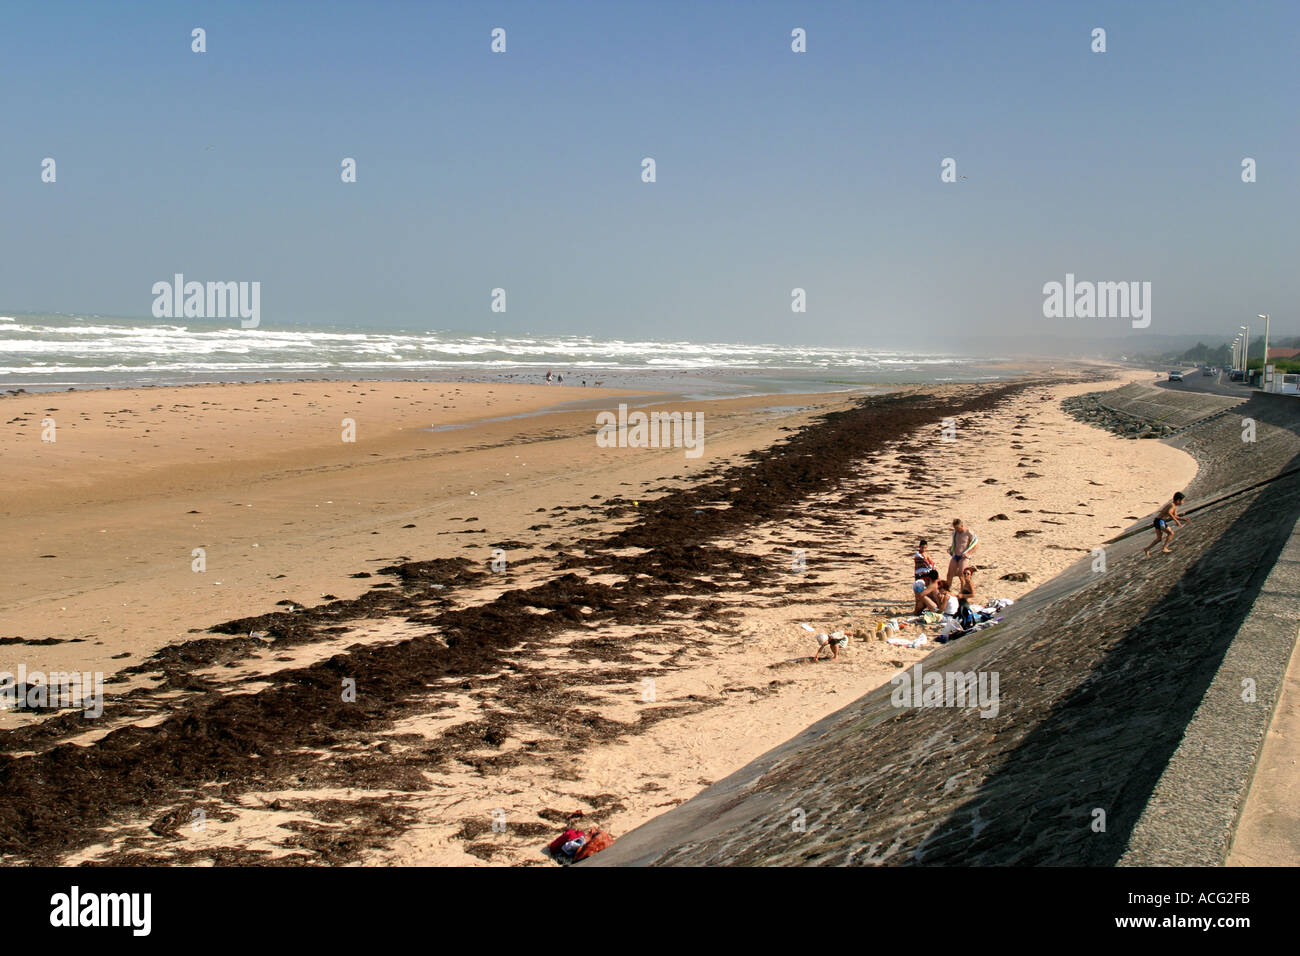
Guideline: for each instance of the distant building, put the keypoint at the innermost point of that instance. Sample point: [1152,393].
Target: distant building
[1286,384]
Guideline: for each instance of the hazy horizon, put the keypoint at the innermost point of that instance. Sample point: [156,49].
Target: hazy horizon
[775,170]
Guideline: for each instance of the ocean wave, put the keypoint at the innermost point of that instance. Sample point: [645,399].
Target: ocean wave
[94,346]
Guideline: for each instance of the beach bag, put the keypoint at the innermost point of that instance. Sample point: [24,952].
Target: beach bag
[556,845]
[965,617]
[598,840]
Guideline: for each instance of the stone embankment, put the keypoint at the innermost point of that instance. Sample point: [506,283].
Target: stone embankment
[1143,411]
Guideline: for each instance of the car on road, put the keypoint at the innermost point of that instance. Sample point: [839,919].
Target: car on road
[1175,376]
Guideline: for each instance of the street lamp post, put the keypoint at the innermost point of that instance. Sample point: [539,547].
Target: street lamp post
[1245,356]
[1264,316]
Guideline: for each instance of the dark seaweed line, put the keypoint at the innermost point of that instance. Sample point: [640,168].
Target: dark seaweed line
[57,800]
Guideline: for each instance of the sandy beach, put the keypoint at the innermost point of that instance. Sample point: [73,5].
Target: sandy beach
[587,437]
[535,626]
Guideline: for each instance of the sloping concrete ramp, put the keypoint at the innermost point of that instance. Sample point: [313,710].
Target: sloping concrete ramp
[1116,737]
[1167,406]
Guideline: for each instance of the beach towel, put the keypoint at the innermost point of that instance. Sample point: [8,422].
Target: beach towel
[946,638]
[904,642]
[598,840]
[950,626]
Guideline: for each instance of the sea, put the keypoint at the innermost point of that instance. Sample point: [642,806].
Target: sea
[43,352]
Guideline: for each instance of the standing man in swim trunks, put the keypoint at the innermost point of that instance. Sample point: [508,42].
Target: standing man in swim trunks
[1164,524]
[964,543]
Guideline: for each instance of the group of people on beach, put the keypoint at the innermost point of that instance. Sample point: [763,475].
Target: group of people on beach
[935,593]
[558,379]
[953,594]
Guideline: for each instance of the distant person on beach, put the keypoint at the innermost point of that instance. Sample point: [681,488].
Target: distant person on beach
[548,376]
[1164,524]
[964,543]
[926,590]
[922,563]
[559,380]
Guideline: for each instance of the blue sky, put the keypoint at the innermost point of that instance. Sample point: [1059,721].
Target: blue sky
[775,170]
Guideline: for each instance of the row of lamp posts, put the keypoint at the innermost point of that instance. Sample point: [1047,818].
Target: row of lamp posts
[1241,351]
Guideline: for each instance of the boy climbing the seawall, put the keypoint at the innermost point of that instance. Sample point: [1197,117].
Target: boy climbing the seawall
[1164,524]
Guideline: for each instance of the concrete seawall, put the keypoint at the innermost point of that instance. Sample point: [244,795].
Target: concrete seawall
[1122,733]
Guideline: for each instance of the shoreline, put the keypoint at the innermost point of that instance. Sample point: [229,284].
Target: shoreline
[693,384]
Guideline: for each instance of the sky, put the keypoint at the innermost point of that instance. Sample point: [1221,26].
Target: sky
[775,170]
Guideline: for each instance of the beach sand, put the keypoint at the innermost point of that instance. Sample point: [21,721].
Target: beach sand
[620,721]
[102,523]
